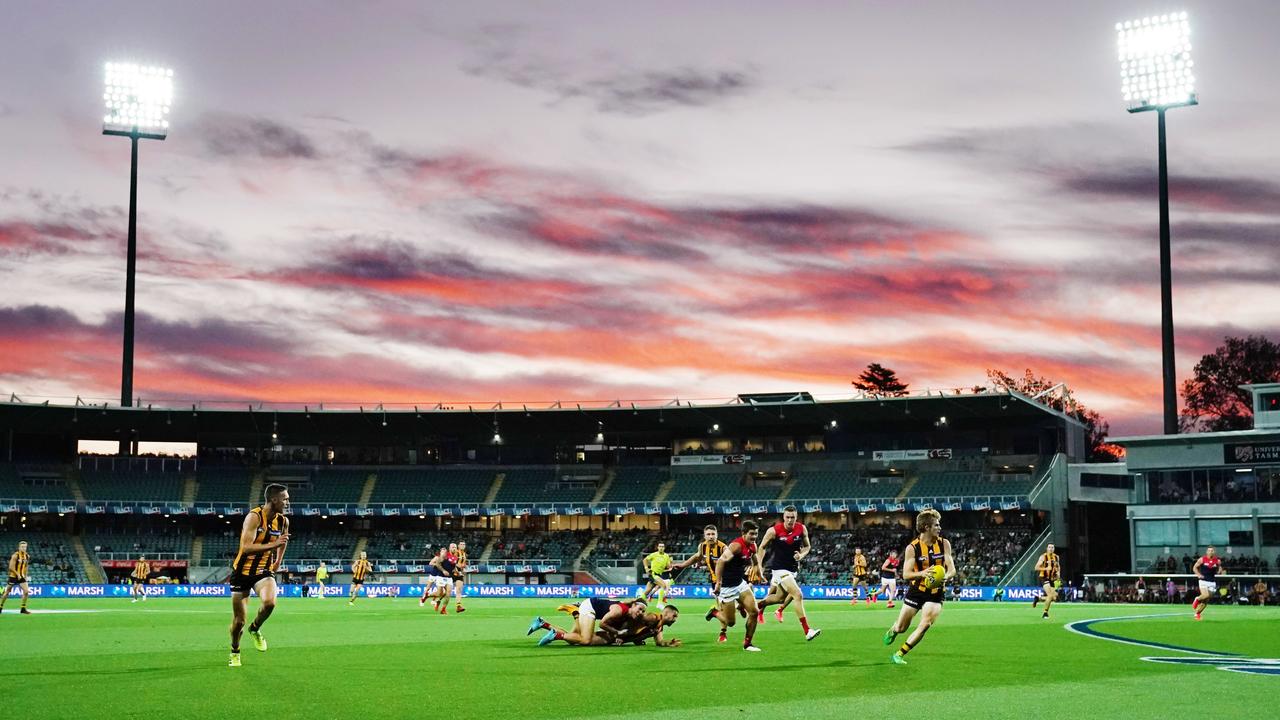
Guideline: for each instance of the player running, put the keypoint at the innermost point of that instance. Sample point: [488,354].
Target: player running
[888,580]
[359,572]
[611,614]
[924,590]
[860,575]
[141,571]
[19,563]
[460,575]
[657,566]
[708,552]
[1049,570]
[322,576]
[263,537]
[445,563]
[789,542]
[732,588]
[1206,569]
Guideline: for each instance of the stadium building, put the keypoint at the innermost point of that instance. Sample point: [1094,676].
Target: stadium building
[551,494]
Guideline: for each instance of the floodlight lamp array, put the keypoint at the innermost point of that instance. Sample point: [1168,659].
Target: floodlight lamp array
[1156,69]
[137,99]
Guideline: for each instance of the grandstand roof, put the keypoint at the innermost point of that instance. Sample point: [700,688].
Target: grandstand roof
[798,414]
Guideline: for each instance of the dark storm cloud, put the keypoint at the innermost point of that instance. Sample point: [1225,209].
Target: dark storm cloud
[228,135]
[1204,192]
[364,258]
[620,91]
[36,318]
[206,336]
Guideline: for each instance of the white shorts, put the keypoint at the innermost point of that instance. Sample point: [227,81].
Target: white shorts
[1209,585]
[445,582]
[585,610]
[731,594]
[777,576]
[890,582]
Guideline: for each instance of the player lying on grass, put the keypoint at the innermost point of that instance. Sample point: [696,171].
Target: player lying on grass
[638,630]
[611,614]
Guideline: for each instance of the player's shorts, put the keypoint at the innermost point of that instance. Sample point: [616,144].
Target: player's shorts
[917,598]
[777,576]
[137,581]
[356,582]
[665,575]
[444,582]
[890,582]
[1209,585]
[16,580]
[730,594]
[585,610]
[244,583]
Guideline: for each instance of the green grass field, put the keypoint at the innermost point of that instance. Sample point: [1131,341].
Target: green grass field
[390,659]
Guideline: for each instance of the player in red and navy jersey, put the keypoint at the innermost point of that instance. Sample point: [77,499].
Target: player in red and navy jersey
[1207,569]
[789,542]
[888,579]
[612,615]
[732,588]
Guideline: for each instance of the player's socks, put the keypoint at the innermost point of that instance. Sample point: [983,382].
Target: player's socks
[778,614]
[760,617]
[804,623]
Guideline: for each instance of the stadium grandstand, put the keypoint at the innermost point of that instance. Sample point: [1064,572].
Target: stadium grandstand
[555,494]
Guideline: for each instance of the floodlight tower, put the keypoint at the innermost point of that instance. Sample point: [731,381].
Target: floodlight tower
[137,100]
[1156,73]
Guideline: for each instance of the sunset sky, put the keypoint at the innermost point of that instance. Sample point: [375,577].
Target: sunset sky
[418,202]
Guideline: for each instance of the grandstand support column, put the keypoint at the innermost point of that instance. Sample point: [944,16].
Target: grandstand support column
[1168,371]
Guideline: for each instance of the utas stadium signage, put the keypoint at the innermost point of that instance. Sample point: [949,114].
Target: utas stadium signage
[927,454]
[709,459]
[1250,453]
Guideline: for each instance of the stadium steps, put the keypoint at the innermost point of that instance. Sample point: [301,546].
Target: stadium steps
[494,489]
[664,491]
[190,487]
[370,484]
[788,486]
[73,485]
[606,482]
[255,488]
[362,543]
[586,549]
[1021,571]
[906,488]
[197,550]
[488,548]
[92,571]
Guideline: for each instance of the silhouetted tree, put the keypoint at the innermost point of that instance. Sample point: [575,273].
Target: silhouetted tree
[1212,400]
[1096,427]
[880,380]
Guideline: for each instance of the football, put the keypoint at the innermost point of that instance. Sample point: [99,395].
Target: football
[937,574]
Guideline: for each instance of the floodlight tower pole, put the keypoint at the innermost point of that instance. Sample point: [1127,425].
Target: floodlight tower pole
[1166,290]
[131,267]
[137,103]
